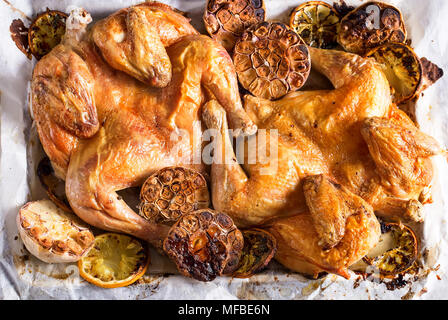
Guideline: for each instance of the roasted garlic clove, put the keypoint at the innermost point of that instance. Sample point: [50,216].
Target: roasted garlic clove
[52,235]
[46,32]
[259,248]
[204,244]
[316,22]
[361,30]
[171,193]
[226,20]
[271,60]
[395,253]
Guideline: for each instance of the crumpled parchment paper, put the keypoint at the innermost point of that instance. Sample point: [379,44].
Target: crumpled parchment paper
[24,277]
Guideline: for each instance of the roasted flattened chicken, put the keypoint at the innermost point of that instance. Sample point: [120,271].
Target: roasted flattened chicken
[343,154]
[108,100]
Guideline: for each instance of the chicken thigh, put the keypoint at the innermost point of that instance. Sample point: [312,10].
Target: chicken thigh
[342,154]
[114,103]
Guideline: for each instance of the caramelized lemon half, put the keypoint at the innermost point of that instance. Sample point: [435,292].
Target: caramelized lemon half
[316,22]
[402,68]
[259,248]
[116,260]
[46,32]
[395,253]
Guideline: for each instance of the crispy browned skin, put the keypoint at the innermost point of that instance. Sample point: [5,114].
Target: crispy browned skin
[326,133]
[330,205]
[105,131]
[299,248]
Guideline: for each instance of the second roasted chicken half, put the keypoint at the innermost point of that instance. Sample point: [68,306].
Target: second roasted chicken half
[109,99]
[343,154]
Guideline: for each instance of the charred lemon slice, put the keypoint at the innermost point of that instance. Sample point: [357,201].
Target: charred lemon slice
[204,244]
[370,26]
[402,68]
[172,192]
[116,260]
[54,186]
[52,235]
[226,20]
[271,60]
[316,22]
[394,254]
[259,249]
[46,32]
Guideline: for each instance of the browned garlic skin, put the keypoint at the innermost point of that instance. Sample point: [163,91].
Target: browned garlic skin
[52,235]
[204,244]
[171,193]
[226,20]
[271,60]
[359,33]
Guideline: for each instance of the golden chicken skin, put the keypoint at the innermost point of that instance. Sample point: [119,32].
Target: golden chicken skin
[108,100]
[111,101]
[342,155]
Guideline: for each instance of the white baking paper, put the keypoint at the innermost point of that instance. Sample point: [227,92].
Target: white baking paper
[24,277]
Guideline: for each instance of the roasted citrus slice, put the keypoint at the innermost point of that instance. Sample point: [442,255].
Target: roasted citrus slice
[172,192]
[317,23]
[46,32]
[116,260]
[52,235]
[54,186]
[259,249]
[204,244]
[394,254]
[271,60]
[370,26]
[402,68]
[226,20]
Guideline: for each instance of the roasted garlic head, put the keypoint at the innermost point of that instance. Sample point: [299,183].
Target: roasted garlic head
[204,244]
[370,26]
[226,20]
[52,235]
[271,60]
[171,193]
